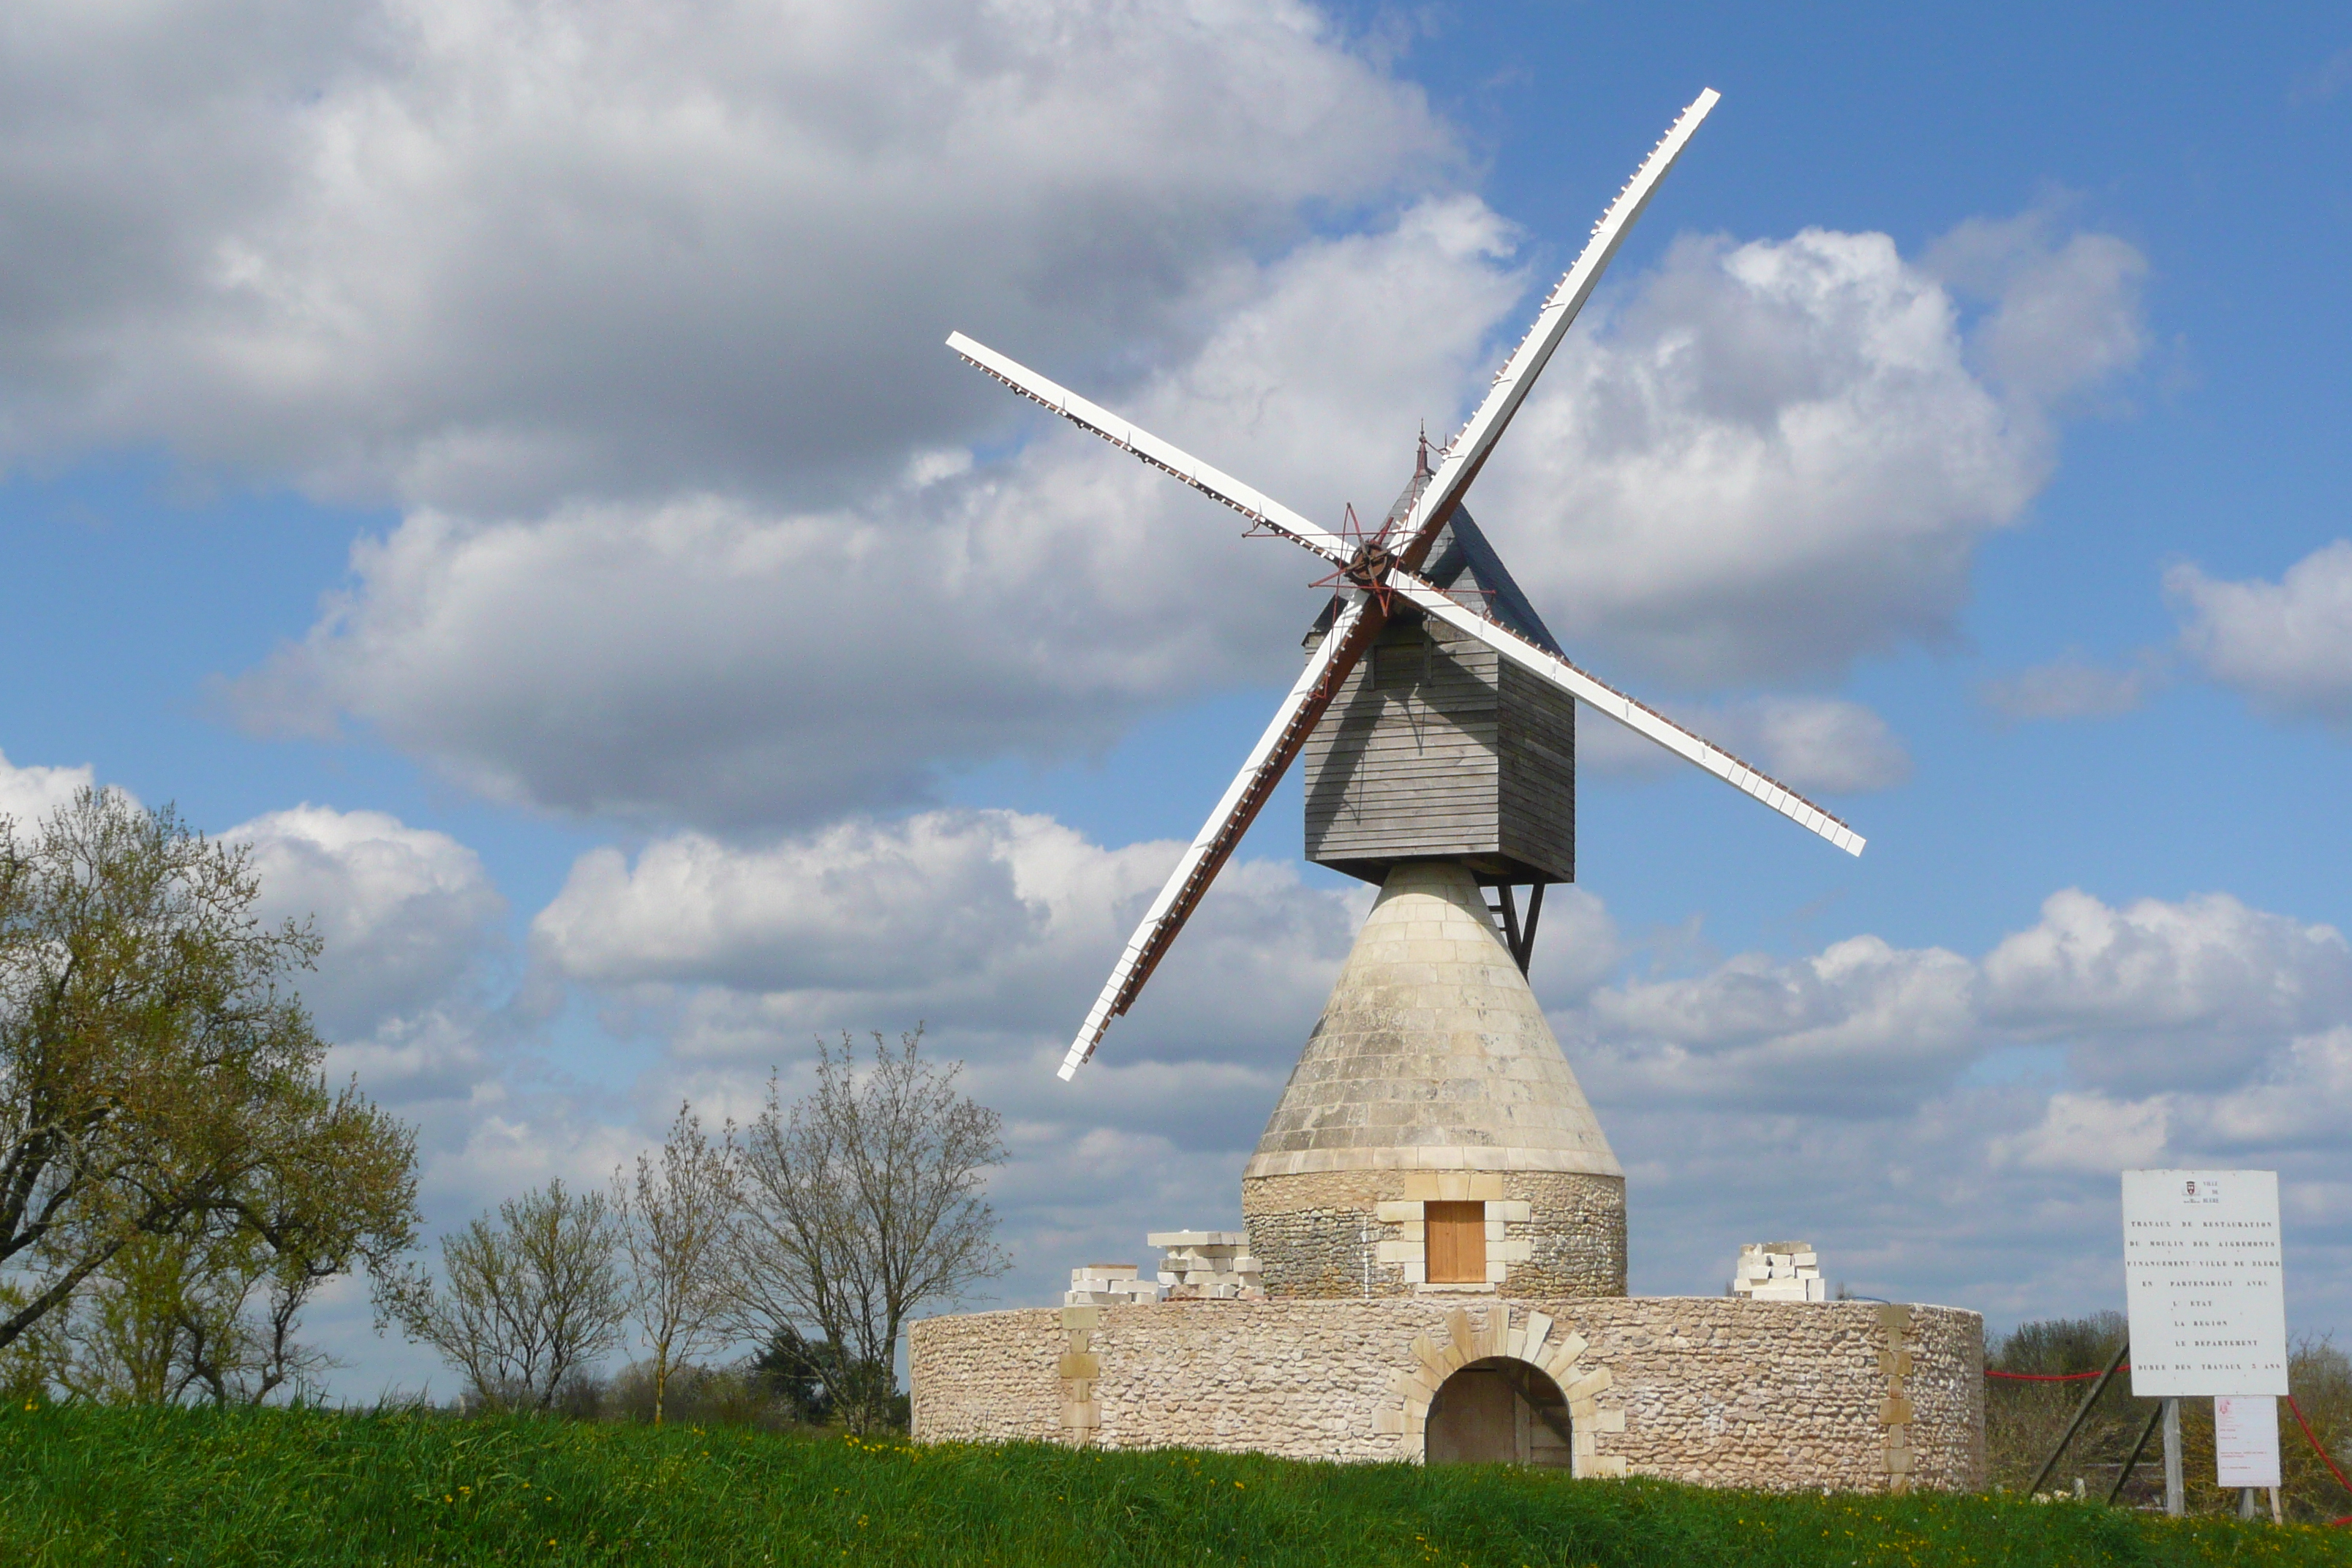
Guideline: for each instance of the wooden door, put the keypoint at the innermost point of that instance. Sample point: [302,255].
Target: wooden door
[1455,1235]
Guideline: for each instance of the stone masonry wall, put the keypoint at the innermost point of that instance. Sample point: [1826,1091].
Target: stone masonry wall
[1561,1234]
[1718,1390]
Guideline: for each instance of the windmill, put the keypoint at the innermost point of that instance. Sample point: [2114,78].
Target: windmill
[1446,769]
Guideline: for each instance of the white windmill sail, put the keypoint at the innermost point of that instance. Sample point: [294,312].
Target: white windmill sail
[1467,452]
[1374,569]
[1640,717]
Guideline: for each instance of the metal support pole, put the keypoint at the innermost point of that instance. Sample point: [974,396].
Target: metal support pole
[2146,1432]
[2075,1425]
[2176,1501]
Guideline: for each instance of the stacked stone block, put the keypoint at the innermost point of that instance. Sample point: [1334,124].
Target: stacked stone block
[1111,1285]
[1207,1266]
[1779,1271]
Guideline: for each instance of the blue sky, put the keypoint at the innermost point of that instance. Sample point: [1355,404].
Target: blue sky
[499,460]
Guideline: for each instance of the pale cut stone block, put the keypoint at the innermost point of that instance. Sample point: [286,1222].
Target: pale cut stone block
[1388,1423]
[1457,1329]
[1580,1442]
[1612,1466]
[1518,1211]
[1430,1353]
[1486,1186]
[1081,1363]
[1081,1413]
[1564,1357]
[1075,1317]
[1453,1187]
[1539,1329]
[1597,1380]
[1416,1228]
[1498,1331]
[1494,1229]
[1496,1272]
[1515,1344]
[1517,1249]
[1406,1385]
[1416,1411]
[1416,1272]
[1396,1211]
[1581,1411]
[1895,1412]
[1898,1461]
[1421,1186]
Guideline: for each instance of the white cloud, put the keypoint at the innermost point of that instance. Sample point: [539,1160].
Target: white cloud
[2159,993]
[491,252]
[1778,457]
[709,660]
[1822,744]
[2285,645]
[998,926]
[405,913]
[2090,1133]
[1775,441]
[27,795]
[2069,688]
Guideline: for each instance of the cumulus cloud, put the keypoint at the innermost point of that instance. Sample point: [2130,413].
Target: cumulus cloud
[1845,1096]
[2285,645]
[708,659]
[1777,441]
[2157,993]
[404,912]
[2069,688]
[2088,1133]
[1822,744]
[491,252]
[29,794]
[1002,925]
[1779,457]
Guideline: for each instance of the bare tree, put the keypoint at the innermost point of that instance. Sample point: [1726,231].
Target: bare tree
[676,1219]
[527,1302]
[862,1205]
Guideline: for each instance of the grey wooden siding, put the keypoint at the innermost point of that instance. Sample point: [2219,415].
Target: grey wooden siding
[1434,748]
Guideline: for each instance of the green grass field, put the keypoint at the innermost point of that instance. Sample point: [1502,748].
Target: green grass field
[87,1486]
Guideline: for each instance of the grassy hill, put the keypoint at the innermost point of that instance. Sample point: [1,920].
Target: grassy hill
[266,1486]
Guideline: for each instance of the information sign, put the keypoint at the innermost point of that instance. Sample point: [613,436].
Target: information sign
[2245,1440]
[2203,1284]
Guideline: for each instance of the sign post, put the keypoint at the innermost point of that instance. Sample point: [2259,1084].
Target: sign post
[2205,1294]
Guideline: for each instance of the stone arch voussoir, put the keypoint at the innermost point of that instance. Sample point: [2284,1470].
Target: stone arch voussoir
[1553,1349]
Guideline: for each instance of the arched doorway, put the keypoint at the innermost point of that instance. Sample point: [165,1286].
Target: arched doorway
[1499,1411]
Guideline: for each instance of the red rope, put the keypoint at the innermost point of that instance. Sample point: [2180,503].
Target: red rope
[2051,1376]
[2324,1457]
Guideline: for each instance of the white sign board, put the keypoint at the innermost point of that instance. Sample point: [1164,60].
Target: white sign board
[2203,1281]
[2245,1440]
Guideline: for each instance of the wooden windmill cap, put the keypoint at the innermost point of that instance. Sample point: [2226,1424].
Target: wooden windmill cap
[1432,1053]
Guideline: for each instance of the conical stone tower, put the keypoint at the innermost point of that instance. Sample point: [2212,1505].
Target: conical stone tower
[1432,1137]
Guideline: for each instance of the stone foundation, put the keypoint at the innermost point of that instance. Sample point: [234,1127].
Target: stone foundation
[1718,1390]
[1334,1234]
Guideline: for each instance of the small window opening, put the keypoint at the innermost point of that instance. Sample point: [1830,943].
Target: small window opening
[1456,1234]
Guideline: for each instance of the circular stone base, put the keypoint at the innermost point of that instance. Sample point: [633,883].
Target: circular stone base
[1720,1391]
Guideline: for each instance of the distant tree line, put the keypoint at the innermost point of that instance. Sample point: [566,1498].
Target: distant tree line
[178,1179]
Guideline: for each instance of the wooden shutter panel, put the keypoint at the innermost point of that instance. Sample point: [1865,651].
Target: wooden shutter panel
[1456,1234]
